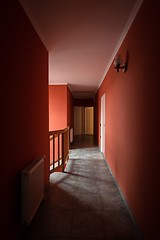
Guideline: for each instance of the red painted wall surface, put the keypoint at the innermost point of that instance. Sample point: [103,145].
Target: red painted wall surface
[60,107]
[70,109]
[24,110]
[133,117]
[57,107]
[60,112]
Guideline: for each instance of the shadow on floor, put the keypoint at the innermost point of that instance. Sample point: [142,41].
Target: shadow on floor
[83,203]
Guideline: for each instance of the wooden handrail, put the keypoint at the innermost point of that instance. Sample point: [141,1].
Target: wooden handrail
[59,131]
[59,148]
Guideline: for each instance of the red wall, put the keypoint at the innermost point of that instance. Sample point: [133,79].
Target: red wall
[60,111]
[57,107]
[70,109]
[24,110]
[60,107]
[133,117]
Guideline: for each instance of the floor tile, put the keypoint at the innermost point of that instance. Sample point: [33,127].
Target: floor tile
[112,202]
[83,202]
[56,224]
[118,225]
[87,224]
[82,187]
[87,201]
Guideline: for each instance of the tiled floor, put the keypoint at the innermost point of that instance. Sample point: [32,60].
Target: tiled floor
[83,202]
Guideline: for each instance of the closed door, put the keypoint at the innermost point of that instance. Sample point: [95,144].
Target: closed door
[83,120]
[78,120]
[103,124]
[89,120]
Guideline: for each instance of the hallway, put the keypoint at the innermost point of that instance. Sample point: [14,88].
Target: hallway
[83,202]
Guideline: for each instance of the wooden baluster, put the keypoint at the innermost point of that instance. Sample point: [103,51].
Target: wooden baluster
[63,144]
[53,151]
[58,150]
[60,147]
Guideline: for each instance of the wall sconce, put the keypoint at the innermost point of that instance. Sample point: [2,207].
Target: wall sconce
[118,64]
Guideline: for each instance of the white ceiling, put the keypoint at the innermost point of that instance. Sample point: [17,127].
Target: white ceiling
[82,37]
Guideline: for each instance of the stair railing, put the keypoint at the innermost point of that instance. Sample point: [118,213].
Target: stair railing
[59,149]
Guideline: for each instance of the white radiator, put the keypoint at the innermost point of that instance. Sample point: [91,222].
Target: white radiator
[32,189]
[71,135]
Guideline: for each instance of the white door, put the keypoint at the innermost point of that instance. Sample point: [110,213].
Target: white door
[103,124]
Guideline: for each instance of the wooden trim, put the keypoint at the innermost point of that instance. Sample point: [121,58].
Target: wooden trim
[58,131]
[60,147]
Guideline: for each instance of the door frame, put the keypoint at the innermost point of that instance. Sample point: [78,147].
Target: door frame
[103,121]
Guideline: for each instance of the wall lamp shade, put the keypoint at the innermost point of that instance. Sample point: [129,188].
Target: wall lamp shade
[118,64]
